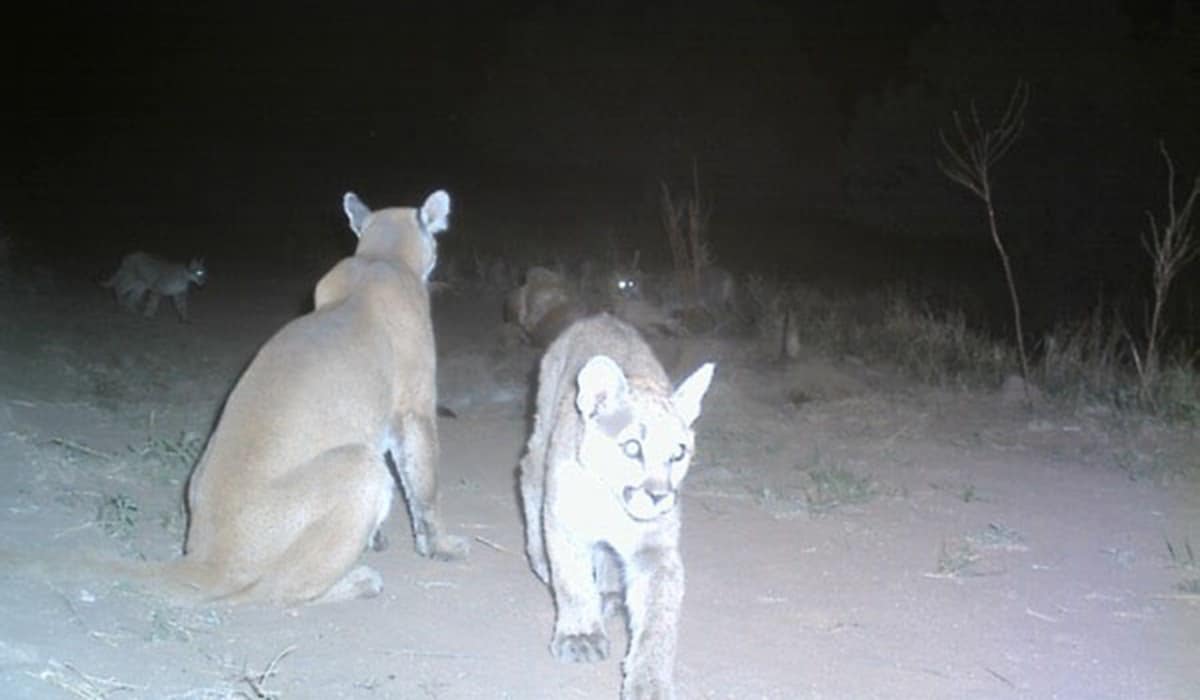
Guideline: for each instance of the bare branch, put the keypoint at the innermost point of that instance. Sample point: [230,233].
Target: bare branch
[1162,148]
[969,164]
[958,168]
[1170,247]
[1013,121]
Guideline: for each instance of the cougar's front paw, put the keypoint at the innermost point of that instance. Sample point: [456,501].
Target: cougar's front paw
[448,548]
[580,648]
[646,679]
[644,689]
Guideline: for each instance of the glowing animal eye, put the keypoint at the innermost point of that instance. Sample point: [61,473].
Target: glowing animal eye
[680,451]
[632,449]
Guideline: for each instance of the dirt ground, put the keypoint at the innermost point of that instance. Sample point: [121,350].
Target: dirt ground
[846,534]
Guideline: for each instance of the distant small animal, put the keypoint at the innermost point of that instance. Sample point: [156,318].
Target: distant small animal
[141,274]
[627,281]
[628,300]
[672,302]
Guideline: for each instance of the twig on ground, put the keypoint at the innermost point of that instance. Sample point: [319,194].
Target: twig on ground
[428,654]
[1041,616]
[494,545]
[80,684]
[1001,678]
[258,682]
[1185,597]
[72,445]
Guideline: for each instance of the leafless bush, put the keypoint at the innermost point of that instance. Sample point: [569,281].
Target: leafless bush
[1170,247]
[969,163]
[1088,363]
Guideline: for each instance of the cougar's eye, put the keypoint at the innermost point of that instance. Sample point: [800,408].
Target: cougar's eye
[679,452]
[632,449]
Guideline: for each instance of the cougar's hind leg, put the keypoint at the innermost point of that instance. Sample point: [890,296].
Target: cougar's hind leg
[339,499]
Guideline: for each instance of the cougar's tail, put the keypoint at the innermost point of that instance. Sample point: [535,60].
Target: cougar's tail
[184,581]
[186,578]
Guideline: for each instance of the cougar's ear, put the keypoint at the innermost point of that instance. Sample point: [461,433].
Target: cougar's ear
[356,212]
[602,386]
[690,393]
[435,212]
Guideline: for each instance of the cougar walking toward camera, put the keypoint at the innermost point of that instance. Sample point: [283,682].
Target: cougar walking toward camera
[293,484]
[600,483]
[142,273]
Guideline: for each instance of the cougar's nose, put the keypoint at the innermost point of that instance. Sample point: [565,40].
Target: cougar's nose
[656,494]
[657,489]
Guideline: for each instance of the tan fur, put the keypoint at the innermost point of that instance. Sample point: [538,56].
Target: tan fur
[649,318]
[293,484]
[600,483]
[542,307]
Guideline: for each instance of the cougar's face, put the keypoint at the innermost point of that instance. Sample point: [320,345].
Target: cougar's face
[642,454]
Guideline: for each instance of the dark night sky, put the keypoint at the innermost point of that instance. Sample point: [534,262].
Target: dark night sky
[163,116]
[163,124]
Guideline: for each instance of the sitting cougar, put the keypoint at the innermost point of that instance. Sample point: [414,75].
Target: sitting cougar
[141,273]
[600,483]
[293,484]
